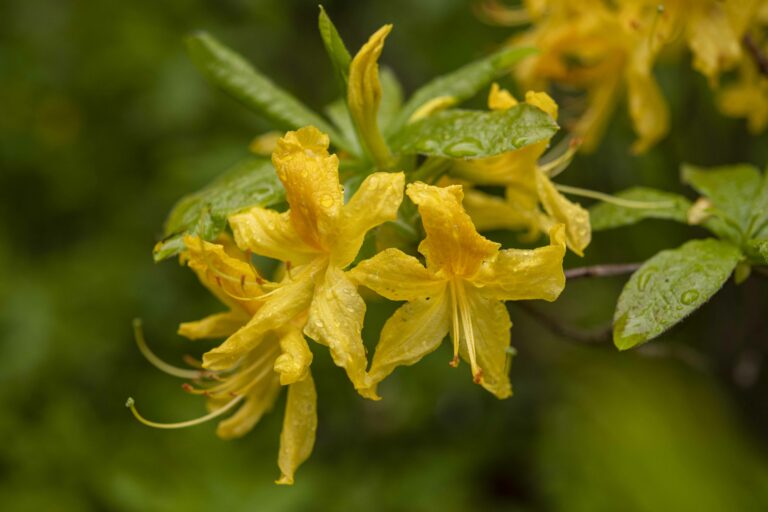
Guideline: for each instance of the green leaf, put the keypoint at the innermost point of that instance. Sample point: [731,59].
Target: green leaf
[757,250]
[336,49]
[339,115]
[391,99]
[250,182]
[234,75]
[759,219]
[607,216]
[463,83]
[732,190]
[669,287]
[473,133]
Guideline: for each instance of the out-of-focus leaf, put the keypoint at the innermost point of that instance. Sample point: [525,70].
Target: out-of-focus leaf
[757,249]
[669,287]
[251,182]
[473,133]
[234,75]
[463,83]
[335,47]
[339,114]
[759,220]
[606,215]
[391,98]
[732,190]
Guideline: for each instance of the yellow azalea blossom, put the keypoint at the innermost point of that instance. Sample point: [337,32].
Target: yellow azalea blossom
[250,386]
[527,185]
[461,290]
[316,238]
[364,97]
[747,97]
[604,48]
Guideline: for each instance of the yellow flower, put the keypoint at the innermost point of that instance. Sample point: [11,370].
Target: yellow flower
[316,238]
[603,48]
[364,97]
[250,385]
[747,97]
[527,185]
[461,290]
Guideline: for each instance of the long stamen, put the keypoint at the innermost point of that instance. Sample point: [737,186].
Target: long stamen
[455,334]
[138,334]
[557,165]
[469,334]
[625,203]
[183,424]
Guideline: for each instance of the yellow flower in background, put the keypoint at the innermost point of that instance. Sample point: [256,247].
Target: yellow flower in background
[747,97]
[603,48]
[316,238]
[251,384]
[461,290]
[527,185]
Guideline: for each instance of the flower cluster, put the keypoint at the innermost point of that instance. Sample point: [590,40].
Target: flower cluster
[602,47]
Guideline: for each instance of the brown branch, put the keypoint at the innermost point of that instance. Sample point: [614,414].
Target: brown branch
[761,60]
[571,332]
[615,269]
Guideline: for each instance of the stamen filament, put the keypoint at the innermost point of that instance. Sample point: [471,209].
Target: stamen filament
[625,203]
[469,334]
[558,164]
[183,424]
[241,281]
[138,334]
[455,334]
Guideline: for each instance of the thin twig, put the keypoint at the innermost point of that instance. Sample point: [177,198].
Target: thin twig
[761,60]
[615,269]
[571,332]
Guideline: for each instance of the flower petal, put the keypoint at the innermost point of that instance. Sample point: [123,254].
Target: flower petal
[258,402]
[293,363]
[225,271]
[336,320]
[414,330]
[490,327]
[292,298]
[714,41]
[219,325]
[364,96]
[648,109]
[578,231]
[299,427]
[311,180]
[397,276]
[452,244]
[518,274]
[490,212]
[375,202]
[271,234]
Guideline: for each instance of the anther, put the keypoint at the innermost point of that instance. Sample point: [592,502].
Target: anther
[454,362]
[478,378]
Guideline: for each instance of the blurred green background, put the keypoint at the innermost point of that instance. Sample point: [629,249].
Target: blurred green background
[104,123]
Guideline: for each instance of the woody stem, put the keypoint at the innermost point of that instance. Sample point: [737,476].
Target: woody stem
[761,59]
[607,270]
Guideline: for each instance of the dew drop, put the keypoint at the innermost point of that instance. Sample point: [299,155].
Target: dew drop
[689,297]
[465,147]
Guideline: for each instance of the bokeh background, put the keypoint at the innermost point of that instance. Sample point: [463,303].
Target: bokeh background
[104,123]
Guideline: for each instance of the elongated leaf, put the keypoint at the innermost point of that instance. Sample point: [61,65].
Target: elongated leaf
[732,189]
[759,219]
[336,49]
[669,287]
[607,216]
[473,133]
[463,83]
[251,182]
[338,113]
[234,75]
